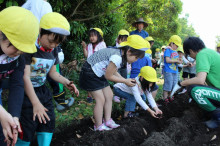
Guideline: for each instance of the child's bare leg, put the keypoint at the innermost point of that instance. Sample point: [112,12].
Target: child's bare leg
[165,94]
[98,109]
[126,114]
[108,94]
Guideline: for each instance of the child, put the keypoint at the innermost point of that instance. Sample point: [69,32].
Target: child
[157,57]
[122,37]
[140,24]
[161,61]
[59,93]
[102,66]
[205,87]
[96,43]
[18,32]
[37,111]
[145,82]
[170,66]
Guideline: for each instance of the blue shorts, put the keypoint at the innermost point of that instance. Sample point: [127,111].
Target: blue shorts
[170,80]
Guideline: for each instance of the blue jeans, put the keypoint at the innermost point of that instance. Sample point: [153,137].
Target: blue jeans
[130,100]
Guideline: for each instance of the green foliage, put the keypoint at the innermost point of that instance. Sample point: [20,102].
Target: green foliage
[186,30]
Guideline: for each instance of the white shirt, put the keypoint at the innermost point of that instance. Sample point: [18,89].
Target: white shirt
[137,92]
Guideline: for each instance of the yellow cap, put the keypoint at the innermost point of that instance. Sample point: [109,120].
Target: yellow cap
[148,73]
[148,51]
[218,45]
[180,49]
[149,39]
[176,40]
[136,42]
[163,47]
[21,28]
[99,30]
[157,49]
[56,23]
[123,32]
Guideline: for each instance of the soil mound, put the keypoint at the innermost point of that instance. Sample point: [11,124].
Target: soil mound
[182,124]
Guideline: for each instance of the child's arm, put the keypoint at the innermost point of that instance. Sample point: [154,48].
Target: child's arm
[140,101]
[168,60]
[152,102]
[38,109]
[59,78]
[110,75]
[85,52]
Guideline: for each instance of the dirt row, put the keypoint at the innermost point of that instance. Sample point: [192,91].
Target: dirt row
[182,124]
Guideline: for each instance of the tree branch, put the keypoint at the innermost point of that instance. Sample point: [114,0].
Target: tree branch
[74,12]
[86,19]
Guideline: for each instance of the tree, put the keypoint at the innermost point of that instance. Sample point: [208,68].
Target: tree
[186,30]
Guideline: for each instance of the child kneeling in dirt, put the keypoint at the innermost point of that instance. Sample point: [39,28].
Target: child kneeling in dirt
[103,66]
[145,82]
[207,68]
[37,113]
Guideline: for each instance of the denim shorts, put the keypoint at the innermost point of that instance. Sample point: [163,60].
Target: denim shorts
[130,100]
[89,81]
[170,80]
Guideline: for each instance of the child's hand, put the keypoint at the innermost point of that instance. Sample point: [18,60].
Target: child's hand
[153,114]
[40,111]
[16,130]
[72,88]
[8,125]
[84,45]
[179,61]
[158,111]
[130,82]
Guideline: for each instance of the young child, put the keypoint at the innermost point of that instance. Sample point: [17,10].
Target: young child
[123,71]
[96,43]
[102,66]
[122,37]
[171,59]
[40,8]
[157,58]
[161,61]
[18,32]
[37,111]
[145,82]
[189,70]
[140,24]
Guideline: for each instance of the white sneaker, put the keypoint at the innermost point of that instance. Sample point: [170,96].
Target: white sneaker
[183,91]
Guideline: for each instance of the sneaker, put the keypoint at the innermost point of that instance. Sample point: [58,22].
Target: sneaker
[166,101]
[110,123]
[116,99]
[215,121]
[63,106]
[183,91]
[171,99]
[69,101]
[101,128]
[89,99]
[132,114]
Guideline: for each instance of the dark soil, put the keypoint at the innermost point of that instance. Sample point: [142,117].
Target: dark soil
[182,124]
